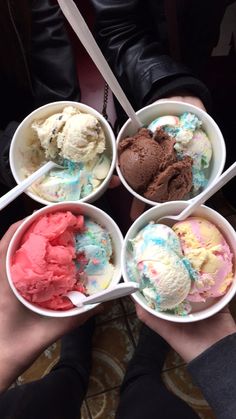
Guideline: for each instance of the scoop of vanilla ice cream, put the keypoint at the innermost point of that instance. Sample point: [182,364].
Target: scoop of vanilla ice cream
[164,278]
[169,279]
[81,139]
[47,130]
[70,134]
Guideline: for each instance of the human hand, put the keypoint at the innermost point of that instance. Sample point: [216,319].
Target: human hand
[186,98]
[190,339]
[137,208]
[24,334]
[114,182]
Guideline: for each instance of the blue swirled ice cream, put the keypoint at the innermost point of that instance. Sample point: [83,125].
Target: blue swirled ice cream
[157,263]
[190,140]
[94,250]
[75,140]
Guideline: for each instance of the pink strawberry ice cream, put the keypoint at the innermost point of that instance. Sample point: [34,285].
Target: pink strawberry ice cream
[47,264]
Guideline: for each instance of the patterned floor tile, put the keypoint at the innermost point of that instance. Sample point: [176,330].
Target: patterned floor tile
[179,381]
[104,405]
[85,412]
[107,373]
[42,365]
[134,325]
[112,310]
[128,305]
[173,360]
[113,348]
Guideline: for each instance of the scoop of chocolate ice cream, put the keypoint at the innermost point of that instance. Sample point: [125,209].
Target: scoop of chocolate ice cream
[173,183]
[150,166]
[142,156]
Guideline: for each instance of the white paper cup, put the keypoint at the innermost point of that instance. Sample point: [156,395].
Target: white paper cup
[93,213]
[24,132]
[200,310]
[155,110]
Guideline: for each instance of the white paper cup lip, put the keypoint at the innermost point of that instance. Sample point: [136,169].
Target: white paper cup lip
[24,129]
[86,209]
[174,207]
[175,108]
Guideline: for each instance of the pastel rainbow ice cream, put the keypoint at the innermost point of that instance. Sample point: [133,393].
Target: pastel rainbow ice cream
[190,262]
[209,255]
[190,140]
[94,246]
[59,253]
[75,140]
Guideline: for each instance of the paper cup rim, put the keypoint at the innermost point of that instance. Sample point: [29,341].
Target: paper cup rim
[178,103]
[104,184]
[24,227]
[191,317]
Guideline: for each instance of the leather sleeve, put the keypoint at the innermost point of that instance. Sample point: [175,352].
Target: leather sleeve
[134,51]
[6,176]
[215,373]
[53,66]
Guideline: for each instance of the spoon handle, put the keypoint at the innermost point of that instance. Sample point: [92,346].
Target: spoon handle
[81,29]
[211,190]
[18,189]
[117,291]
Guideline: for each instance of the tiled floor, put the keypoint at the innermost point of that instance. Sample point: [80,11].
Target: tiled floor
[114,341]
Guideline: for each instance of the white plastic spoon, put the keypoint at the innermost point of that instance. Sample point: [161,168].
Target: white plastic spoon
[18,189]
[120,290]
[203,197]
[81,29]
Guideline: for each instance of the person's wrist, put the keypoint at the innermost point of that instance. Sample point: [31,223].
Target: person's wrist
[202,346]
[18,353]
[10,366]
[183,96]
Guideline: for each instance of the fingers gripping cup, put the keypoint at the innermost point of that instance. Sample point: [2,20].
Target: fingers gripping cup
[78,138]
[175,156]
[186,271]
[60,248]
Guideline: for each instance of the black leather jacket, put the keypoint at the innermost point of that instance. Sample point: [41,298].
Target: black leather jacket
[36,58]
[37,65]
[157,47]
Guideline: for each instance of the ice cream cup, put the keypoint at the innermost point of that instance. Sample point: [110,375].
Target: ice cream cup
[200,310]
[86,209]
[24,132]
[176,108]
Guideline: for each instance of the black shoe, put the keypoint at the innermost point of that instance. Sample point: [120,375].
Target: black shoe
[149,355]
[76,350]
